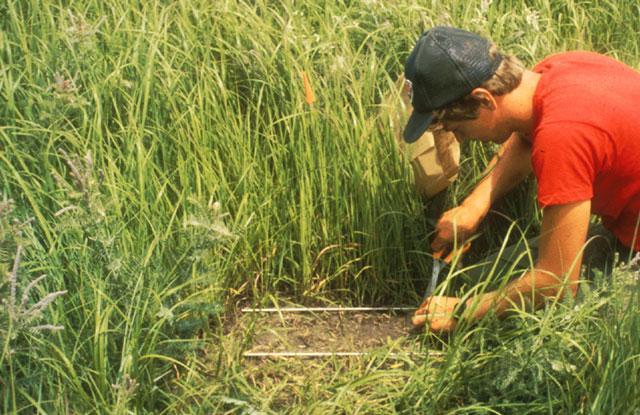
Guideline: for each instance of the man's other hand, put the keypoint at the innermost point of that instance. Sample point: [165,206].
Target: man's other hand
[437,313]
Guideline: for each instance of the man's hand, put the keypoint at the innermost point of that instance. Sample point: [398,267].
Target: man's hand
[557,271]
[437,313]
[456,225]
[509,167]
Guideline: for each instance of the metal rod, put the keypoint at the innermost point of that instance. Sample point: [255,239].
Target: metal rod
[325,354]
[332,309]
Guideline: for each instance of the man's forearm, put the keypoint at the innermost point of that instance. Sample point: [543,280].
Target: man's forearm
[509,166]
[530,289]
[557,268]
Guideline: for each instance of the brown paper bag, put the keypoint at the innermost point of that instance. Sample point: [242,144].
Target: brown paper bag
[434,157]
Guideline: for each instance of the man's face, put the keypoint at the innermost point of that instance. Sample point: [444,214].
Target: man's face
[486,122]
[485,127]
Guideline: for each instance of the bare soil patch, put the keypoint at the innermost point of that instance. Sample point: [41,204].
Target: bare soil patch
[390,351]
[325,332]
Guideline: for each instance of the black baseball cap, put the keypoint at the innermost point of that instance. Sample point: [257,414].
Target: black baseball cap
[445,65]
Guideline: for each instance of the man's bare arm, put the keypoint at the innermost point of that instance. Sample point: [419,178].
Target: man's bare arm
[510,166]
[563,234]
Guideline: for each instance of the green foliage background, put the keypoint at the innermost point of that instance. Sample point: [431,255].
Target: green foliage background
[172,169]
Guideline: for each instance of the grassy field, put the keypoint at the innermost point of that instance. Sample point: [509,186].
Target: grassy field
[160,167]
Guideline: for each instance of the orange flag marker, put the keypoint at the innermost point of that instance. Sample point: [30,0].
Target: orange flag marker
[308,92]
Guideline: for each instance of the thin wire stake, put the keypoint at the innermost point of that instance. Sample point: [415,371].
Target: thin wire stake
[327,354]
[330,309]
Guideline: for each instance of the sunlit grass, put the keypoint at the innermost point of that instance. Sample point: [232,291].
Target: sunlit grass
[166,164]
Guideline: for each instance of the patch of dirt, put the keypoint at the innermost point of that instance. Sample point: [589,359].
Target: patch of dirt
[343,331]
[293,381]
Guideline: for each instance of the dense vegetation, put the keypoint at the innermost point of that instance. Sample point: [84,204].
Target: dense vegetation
[159,164]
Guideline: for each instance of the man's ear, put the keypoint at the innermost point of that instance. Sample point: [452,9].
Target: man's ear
[486,98]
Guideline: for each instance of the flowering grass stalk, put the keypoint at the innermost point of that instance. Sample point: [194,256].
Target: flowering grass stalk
[122,122]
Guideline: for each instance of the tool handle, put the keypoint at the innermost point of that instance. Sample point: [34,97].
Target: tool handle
[453,254]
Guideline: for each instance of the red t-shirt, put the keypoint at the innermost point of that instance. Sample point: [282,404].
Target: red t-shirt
[586,138]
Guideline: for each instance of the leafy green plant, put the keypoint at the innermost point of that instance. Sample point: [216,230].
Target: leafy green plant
[122,124]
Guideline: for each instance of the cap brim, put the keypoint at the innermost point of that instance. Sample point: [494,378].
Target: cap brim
[416,126]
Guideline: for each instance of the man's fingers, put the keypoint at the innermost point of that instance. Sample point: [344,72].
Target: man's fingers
[439,244]
[423,306]
[420,316]
[434,324]
[418,320]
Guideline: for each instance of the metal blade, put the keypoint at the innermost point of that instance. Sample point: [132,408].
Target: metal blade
[435,273]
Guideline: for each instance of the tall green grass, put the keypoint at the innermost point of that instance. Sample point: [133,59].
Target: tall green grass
[172,169]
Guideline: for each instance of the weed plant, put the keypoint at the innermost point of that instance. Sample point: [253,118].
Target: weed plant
[173,169]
